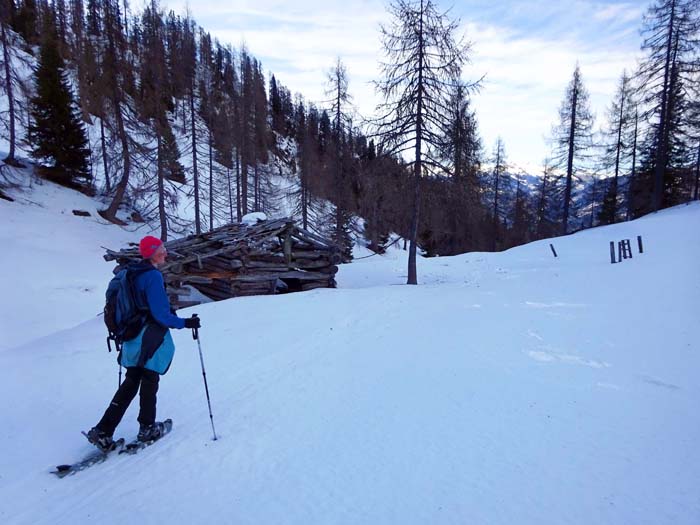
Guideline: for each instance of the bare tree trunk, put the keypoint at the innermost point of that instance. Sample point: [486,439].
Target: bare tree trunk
[161,196]
[697,175]
[495,198]
[458,135]
[594,190]
[211,184]
[195,171]
[230,195]
[239,215]
[108,184]
[661,155]
[634,167]
[304,198]
[570,160]
[418,166]
[617,160]
[111,212]
[256,189]
[338,167]
[244,187]
[516,219]
[541,205]
[10,159]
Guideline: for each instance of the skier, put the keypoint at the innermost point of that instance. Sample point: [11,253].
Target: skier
[149,354]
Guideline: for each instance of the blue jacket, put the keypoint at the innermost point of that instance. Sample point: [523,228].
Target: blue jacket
[153,348]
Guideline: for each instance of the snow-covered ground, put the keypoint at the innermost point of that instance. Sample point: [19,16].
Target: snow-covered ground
[506,388]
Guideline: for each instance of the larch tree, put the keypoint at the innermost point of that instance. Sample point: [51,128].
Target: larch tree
[117,78]
[11,82]
[424,60]
[500,184]
[572,139]
[340,111]
[618,138]
[668,70]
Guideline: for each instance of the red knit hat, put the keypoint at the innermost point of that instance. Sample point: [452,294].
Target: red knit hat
[148,246]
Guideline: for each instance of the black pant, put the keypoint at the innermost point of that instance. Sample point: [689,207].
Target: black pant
[135,377]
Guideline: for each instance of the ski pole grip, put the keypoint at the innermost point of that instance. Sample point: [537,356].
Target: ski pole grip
[195,331]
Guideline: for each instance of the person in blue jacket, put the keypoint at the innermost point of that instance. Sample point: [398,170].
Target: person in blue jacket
[149,354]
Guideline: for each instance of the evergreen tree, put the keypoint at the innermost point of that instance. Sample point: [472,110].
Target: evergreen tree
[56,134]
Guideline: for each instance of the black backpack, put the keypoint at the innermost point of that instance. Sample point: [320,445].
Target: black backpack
[124,316]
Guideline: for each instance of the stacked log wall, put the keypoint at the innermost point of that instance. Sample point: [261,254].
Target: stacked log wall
[237,261]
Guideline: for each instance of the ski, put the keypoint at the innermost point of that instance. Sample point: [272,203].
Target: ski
[98,456]
[134,446]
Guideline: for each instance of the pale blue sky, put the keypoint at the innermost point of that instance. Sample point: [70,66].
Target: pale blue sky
[527,50]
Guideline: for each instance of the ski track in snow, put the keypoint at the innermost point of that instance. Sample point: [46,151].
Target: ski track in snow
[507,388]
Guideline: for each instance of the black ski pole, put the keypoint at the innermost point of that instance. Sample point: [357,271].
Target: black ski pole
[195,336]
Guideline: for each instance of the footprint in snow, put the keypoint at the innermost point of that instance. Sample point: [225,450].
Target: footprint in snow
[548,357]
[657,382]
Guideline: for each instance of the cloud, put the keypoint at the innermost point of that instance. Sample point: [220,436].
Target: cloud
[622,13]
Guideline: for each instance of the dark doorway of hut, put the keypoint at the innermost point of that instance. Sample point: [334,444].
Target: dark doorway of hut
[288,285]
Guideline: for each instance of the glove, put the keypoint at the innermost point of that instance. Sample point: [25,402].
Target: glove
[192,322]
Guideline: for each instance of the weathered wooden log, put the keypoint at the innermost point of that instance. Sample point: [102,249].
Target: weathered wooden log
[306,243]
[276,266]
[215,293]
[330,270]
[312,238]
[310,254]
[219,264]
[290,274]
[196,279]
[268,255]
[259,289]
[185,304]
[314,285]
[178,290]
[311,264]
[265,287]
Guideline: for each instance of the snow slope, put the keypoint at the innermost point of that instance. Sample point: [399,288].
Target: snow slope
[52,266]
[507,388]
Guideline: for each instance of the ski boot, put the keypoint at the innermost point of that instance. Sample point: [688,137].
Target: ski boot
[151,432]
[100,439]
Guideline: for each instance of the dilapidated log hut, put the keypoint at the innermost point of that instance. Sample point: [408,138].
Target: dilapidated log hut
[272,256]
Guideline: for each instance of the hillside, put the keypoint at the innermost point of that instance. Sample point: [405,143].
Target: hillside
[508,388]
